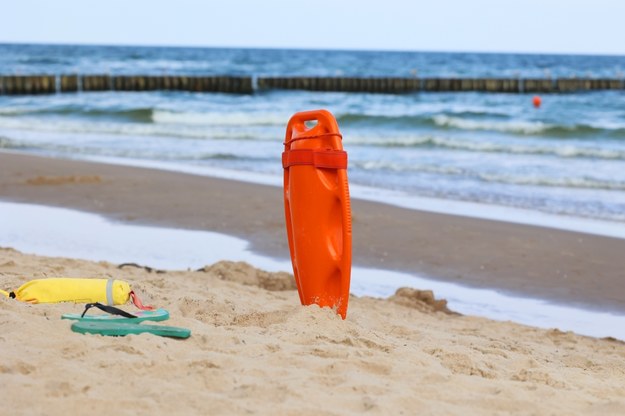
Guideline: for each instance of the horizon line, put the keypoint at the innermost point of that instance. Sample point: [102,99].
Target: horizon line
[296,48]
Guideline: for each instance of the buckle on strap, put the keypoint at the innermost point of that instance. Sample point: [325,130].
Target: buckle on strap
[319,158]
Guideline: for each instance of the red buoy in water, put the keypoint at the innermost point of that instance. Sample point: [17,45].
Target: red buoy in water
[537,101]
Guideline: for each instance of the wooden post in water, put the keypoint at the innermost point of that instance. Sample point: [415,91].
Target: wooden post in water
[118,83]
[44,84]
[466,84]
[606,84]
[166,83]
[69,83]
[95,83]
[479,84]
[430,84]
[492,85]
[572,84]
[27,84]
[534,85]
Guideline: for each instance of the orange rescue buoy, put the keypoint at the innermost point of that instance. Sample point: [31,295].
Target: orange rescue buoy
[317,209]
[537,101]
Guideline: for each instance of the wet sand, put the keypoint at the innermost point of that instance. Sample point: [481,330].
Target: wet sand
[566,267]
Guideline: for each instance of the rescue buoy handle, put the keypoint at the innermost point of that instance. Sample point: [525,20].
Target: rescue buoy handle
[323,117]
[326,125]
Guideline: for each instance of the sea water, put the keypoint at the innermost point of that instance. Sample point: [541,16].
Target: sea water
[566,158]
[478,154]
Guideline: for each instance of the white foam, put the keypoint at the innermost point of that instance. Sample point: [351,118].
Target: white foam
[62,232]
[188,130]
[537,147]
[522,127]
[219,118]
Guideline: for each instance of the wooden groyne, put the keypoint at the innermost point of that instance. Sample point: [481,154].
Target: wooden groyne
[346,84]
[51,84]
[400,85]
[35,84]
[236,85]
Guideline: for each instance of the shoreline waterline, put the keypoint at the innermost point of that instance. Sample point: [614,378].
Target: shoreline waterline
[32,225]
[400,199]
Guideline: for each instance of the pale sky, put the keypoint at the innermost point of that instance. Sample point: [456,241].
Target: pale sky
[541,26]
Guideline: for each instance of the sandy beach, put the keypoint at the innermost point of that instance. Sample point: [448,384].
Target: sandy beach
[255,350]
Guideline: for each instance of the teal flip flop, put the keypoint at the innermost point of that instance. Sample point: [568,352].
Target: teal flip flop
[120,329]
[138,316]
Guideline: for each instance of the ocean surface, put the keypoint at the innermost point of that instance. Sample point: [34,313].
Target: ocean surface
[566,158]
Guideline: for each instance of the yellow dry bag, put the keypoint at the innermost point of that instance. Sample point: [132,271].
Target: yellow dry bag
[65,289]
